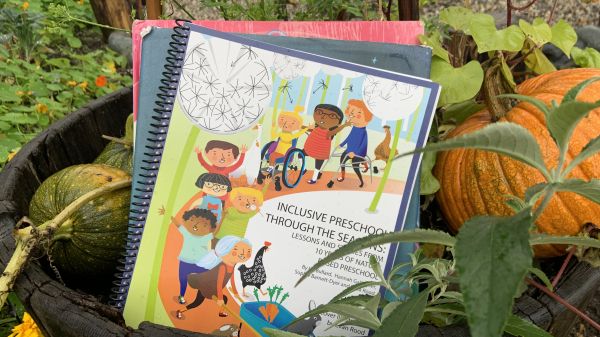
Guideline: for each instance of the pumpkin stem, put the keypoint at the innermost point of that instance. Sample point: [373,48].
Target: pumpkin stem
[494,84]
[30,236]
[119,140]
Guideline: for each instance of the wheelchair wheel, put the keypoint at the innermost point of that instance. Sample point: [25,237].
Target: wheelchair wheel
[264,162]
[293,168]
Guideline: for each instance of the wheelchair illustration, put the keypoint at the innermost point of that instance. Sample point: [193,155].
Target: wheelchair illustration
[288,169]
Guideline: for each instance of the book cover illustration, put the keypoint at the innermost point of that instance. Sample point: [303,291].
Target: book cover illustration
[273,158]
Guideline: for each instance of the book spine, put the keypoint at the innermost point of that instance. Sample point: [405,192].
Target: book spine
[141,196]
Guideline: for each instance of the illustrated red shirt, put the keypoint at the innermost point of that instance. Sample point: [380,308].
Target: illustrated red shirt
[318,145]
[220,170]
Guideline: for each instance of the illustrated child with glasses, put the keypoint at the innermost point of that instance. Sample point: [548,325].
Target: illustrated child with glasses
[221,157]
[328,122]
[196,227]
[244,203]
[214,187]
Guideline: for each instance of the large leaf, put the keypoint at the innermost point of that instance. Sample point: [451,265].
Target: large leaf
[538,103]
[586,58]
[417,235]
[562,121]
[355,287]
[563,36]
[545,239]
[539,31]
[488,38]
[588,150]
[404,319]
[519,327]
[506,138]
[429,183]
[589,189]
[458,84]
[434,41]
[492,258]
[457,17]
[539,63]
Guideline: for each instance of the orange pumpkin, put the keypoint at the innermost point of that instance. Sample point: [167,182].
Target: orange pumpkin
[475,182]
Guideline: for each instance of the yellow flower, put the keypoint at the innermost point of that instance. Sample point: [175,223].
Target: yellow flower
[71,83]
[41,108]
[25,5]
[80,2]
[20,92]
[110,67]
[11,154]
[83,85]
[26,329]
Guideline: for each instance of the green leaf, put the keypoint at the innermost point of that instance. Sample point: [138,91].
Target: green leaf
[588,189]
[18,118]
[357,286]
[279,333]
[54,87]
[538,62]
[488,38]
[542,276]
[506,138]
[533,192]
[74,42]
[538,103]
[458,84]
[562,121]
[434,41]
[457,17]
[376,268]
[417,235]
[429,183]
[545,239]
[507,73]
[588,150]
[572,94]
[519,327]
[459,112]
[4,126]
[586,58]
[9,96]
[515,203]
[492,258]
[563,36]
[356,311]
[404,319]
[539,31]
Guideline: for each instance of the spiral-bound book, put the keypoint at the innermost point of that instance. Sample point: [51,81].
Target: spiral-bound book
[264,159]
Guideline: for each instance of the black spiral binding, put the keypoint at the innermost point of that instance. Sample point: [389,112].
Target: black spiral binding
[142,194]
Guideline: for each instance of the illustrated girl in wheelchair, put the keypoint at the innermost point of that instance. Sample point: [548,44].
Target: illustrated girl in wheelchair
[281,154]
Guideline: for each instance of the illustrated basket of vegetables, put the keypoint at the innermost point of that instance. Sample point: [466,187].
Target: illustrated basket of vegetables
[277,316]
[64,312]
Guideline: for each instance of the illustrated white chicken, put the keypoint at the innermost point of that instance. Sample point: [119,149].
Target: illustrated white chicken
[251,164]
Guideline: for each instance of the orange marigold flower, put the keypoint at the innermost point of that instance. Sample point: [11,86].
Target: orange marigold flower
[71,83]
[26,329]
[101,81]
[83,85]
[41,108]
[25,5]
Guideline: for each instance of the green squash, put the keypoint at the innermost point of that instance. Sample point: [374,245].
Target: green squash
[119,153]
[87,246]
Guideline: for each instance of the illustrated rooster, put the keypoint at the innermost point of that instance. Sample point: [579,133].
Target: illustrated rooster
[255,275]
[382,151]
[251,164]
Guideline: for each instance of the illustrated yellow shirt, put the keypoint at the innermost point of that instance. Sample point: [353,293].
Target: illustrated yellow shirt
[285,139]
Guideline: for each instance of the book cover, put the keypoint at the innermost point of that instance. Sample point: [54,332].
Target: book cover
[259,177]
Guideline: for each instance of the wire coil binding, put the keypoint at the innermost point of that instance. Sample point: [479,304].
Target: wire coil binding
[141,197]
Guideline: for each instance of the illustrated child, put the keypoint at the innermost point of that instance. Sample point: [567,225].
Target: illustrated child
[197,230]
[214,187]
[328,119]
[290,123]
[245,202]
[356,142]
[219,267]
[221,157]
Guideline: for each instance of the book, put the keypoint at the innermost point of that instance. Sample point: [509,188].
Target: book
[413,60]
[272,94]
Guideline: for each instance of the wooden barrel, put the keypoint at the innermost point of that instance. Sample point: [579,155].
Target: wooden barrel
[64,312]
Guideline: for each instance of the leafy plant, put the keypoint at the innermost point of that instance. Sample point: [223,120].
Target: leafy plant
[47,69]
[491,256]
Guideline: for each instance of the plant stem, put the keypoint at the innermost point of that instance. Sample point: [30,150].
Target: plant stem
[118,140]
[388,168]
[563,267]
[183,9]
[542,206]
[95,23]
[567,305]
[29,237]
